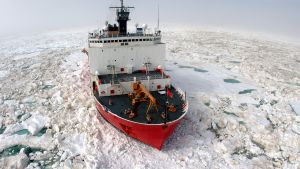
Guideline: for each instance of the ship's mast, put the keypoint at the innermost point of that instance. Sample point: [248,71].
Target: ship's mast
[122,17]
[122,3]
[158,19]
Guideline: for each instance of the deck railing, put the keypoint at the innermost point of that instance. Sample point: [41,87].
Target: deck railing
[123,36]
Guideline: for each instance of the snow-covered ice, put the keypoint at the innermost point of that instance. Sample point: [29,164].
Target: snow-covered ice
[3,73]
[296,107]
[243,93]
[19,161]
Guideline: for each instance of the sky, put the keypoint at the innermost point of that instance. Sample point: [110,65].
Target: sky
[277,17]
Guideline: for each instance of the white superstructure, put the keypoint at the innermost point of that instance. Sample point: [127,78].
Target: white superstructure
[125,53]
[137,56]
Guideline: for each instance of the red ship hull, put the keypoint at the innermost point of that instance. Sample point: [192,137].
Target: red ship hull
[154,135]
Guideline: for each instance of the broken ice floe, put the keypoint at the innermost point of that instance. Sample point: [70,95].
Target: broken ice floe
[19,161]
[296,107]
[26,56]
[32,125]
[3,73]
[253,129]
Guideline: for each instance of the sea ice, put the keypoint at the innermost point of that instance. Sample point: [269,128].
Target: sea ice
[19,161]
[227,125]
[1,121]
[296,107]
[3,73]
[35,123]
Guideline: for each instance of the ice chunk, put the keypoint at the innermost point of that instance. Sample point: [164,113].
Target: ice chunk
[11,103]
[75,144]
[296,107]
[35,124]
[29,100]
[68,164]
[13,128]
[3,73]
[64,156]
[56,98]
[19,161]
[1,121]
[19,113]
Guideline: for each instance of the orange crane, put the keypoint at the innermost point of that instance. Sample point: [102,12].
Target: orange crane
[141,94]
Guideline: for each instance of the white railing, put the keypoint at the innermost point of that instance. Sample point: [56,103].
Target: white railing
[123,36]
[183,96]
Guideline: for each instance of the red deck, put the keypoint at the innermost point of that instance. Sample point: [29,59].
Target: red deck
[152,134]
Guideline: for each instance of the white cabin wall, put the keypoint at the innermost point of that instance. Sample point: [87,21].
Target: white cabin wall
[121,57]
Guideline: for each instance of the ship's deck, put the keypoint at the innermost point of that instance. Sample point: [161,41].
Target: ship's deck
[123,102]
[106,79]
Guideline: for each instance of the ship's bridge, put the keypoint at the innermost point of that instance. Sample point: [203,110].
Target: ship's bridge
[114,40]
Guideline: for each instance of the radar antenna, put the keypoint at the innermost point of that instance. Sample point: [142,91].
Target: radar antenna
[122,17]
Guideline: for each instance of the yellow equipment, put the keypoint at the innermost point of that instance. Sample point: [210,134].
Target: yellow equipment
[140,95]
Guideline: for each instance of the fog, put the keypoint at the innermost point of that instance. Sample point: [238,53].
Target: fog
[277,17]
